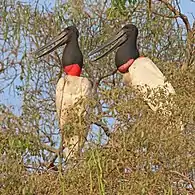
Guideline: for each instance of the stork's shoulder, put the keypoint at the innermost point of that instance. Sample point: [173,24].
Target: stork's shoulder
[75,84]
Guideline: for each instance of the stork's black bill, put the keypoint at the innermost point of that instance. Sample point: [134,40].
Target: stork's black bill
[118,40]
[72,57]
[61,39]
[124,38]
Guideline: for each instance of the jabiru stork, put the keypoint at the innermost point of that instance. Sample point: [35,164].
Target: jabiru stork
[139,72]
[72,89]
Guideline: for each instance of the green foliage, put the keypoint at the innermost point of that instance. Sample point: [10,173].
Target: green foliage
[121,3]
[121,7]
[146,152]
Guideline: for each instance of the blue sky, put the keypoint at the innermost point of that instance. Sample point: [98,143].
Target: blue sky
[188,8]
[12,99]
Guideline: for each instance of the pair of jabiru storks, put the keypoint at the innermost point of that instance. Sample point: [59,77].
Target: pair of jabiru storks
[140,72]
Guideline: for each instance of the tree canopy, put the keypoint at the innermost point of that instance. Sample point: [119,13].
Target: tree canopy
[129,148]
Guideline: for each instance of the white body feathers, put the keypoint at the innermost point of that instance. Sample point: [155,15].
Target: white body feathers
[144,74]
[70,93]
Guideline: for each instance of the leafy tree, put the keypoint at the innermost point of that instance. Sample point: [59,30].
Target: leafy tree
[143,152]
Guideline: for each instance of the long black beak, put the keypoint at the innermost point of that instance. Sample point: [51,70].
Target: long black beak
[58,41]
[118,40]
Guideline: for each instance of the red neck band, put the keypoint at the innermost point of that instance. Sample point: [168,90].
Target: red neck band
[124,68]
[73,70]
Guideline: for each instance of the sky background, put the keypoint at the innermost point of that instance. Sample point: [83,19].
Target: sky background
[188,8]
[10,98]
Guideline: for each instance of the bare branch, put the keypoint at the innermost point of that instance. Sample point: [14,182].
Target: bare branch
[178,14]
[109,74]
[165,16]
[49,148]
[185,178]
[105,128]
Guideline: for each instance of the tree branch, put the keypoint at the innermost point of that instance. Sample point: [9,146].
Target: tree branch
[105,128]
[49,148]
[185,178]
[178,14]
[109,74]
[165,16]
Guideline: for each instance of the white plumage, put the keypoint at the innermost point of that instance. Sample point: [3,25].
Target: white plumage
[143,74]
[71,91]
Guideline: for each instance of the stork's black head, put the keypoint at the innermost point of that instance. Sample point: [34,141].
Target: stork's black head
[130,30]
[72,56]
[128,50]
[125,40]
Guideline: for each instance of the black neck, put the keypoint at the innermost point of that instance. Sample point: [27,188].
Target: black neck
[127,51]
[72,53]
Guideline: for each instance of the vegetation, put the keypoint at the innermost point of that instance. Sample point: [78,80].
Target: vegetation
[129,149]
